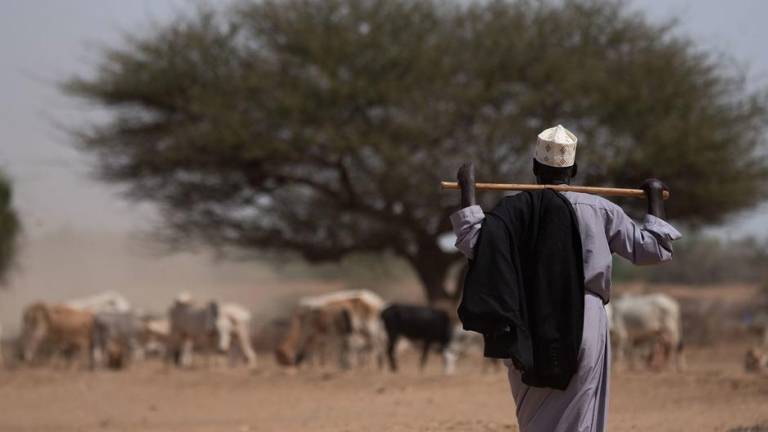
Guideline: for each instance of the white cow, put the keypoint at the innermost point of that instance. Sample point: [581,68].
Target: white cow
[650,320]
[105,302]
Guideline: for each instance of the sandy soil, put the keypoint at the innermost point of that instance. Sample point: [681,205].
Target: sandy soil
[713,394]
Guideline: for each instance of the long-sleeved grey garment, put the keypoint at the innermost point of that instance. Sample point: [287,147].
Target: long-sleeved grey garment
[605,229]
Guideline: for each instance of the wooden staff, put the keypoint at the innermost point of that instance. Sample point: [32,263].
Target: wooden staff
[606,191]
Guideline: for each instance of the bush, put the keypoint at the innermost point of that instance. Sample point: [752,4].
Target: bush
[702,259]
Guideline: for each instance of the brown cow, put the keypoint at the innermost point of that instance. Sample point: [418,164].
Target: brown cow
[347,320]
[66,329]
[311,332]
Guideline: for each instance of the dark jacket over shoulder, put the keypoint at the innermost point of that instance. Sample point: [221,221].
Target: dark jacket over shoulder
[524,290]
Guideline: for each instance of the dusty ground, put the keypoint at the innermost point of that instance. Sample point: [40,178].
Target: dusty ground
[713,394]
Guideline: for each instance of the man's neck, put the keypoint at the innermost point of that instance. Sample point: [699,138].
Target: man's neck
[553,181]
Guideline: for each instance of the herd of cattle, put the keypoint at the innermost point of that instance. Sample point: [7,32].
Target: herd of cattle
[355,327]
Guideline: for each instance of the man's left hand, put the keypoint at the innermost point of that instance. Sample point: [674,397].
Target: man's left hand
[654,192]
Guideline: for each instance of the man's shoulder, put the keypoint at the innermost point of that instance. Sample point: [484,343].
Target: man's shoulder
[595,201]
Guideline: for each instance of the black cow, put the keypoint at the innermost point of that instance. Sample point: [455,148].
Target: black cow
[418,323]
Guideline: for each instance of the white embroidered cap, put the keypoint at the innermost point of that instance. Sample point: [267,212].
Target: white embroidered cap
[556,147]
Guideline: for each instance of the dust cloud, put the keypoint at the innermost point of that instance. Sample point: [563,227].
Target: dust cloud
[68,264]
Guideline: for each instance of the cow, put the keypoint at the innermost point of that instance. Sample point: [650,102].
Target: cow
[348,320]
[419,323]
[116,335]
[66,329]
[649,320]
[192,325]
[105,302]
[312,332]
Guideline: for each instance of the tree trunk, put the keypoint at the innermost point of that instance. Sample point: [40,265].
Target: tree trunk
[433,277]
[432,266]
[460,276]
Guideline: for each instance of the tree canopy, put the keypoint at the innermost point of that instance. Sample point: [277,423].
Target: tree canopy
[324,127]
[9,229]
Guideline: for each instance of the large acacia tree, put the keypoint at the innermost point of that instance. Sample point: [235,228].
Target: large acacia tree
[9,228]
[324,126]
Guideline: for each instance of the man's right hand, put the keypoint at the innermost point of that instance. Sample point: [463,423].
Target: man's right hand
[466,178]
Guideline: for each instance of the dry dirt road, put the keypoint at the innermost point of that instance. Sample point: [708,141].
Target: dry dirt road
[713,394]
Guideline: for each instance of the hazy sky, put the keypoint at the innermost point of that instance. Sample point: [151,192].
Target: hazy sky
[42,42]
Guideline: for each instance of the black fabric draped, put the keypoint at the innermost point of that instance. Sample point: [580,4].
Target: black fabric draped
[524,290]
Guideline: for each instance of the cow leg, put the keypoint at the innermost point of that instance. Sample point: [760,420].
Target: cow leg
[391,344]
[138,353]
[658,353]
[679,356]
[185,355]
[382,355]
[65,356]
[379,349]
[245,346]
[97,355]
[345,351]
[362,350]
[318,350]
[667,351]
[375,344]
[321,354]
[61,357]
[352,344]
[369,349]
[424,354]
[453,348]
[449,360]
[380,359]
[620,339]
[31,346]
[78,355]
[172,354]
[631,355]
[680,359]
[178,353]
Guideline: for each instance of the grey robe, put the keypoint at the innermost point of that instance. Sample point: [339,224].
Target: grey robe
[605,229]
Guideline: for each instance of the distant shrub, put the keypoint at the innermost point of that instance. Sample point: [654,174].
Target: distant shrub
[702,259]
